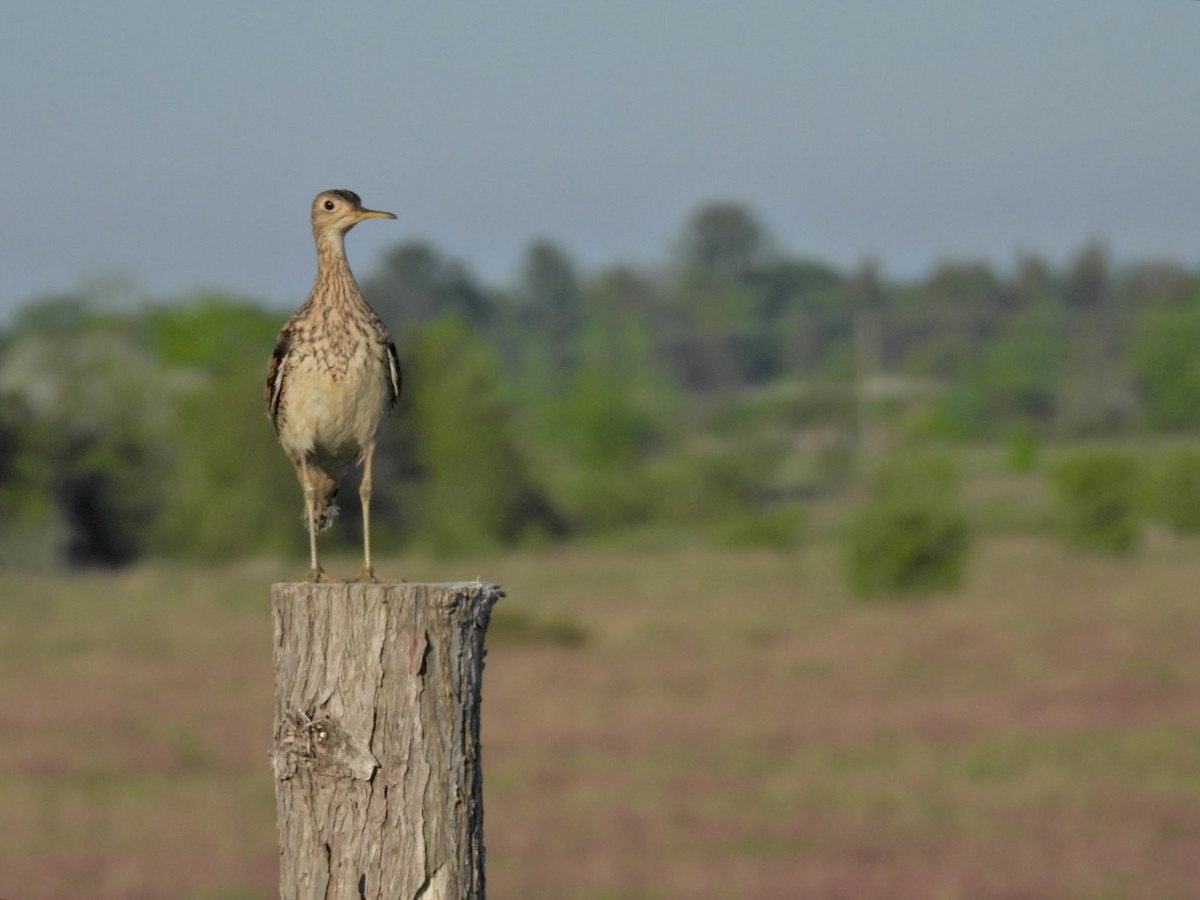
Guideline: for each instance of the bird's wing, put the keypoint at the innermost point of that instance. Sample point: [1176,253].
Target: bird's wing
[395,373]
[275,371]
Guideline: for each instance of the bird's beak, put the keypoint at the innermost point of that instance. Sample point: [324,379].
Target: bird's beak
[374,214]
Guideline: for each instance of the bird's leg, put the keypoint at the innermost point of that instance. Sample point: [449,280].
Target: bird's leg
[315,572]
[367,572]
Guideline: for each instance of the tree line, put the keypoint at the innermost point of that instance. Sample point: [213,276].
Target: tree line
[715,390]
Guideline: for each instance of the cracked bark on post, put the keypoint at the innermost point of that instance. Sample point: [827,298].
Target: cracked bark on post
[378,778]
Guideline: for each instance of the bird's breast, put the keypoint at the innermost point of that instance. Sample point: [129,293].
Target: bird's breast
[333,400]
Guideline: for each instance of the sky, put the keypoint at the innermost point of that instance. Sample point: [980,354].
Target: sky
[178,146]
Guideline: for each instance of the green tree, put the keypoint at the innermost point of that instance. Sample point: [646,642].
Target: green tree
[1087,285]
[210,333]
[31,531]
[725,241]
[234,493]
[416,283]
[602,482]
[97,413]
[1166,357]
[552,301]
[476,490]
[1020,369]
[721,334]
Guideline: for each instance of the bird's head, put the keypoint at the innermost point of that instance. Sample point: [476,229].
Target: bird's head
[336,212]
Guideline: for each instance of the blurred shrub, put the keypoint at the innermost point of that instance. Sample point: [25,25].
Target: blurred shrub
[92,437]
[725,484]
[1098,493]
[23,470]
[1020,370]
[1021,448]
[835,464]
[210,332]
[701,487]
[911,536]
[477,492]
[234,492]
[1011,379]
[605,484]
[1176,492]
[1168,366]
[520,625]
[960,413]
[33,532]
[778,529]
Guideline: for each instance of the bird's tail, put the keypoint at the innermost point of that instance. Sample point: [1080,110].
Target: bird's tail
[324,498]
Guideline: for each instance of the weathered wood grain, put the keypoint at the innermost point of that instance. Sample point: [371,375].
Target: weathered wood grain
[378,777]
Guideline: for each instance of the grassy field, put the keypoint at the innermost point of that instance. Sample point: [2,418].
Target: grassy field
[682,722]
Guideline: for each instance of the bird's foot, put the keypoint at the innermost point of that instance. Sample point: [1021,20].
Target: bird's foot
[366,573]
[317,576]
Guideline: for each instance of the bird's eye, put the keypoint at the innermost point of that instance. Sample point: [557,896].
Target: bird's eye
[329,204]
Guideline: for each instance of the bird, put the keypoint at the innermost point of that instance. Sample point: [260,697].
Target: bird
[332,378]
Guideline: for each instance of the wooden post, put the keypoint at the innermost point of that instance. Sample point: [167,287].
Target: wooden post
[378,778]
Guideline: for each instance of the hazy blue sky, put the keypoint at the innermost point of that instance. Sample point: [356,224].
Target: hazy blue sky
[181,144]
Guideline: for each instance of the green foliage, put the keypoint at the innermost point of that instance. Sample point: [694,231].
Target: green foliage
[92,437]
[551,296]
[1098,494]
[691,396]
[1176,493]
[211,333]
[796,284]
[600,480]
[1166,354]
[476,491]
[234,491]
[103,494]
[415,283]
[699,488]
[55,314]
[911,536]
[1012,380]
[778,529]
[1021,369]
[961,413]
[945,356]
[725,241]
[726,482]
[22,471]
[521,625]
[605,428]
[1021,448]
[717,342]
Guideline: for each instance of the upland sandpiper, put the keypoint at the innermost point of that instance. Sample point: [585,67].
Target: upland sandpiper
[332,378]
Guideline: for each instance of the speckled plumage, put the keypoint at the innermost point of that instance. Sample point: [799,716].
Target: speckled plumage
[333,376]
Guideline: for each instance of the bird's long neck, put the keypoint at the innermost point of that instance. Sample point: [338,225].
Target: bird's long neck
[335,284]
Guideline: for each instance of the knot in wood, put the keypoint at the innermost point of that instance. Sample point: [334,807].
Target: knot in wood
[320,746]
